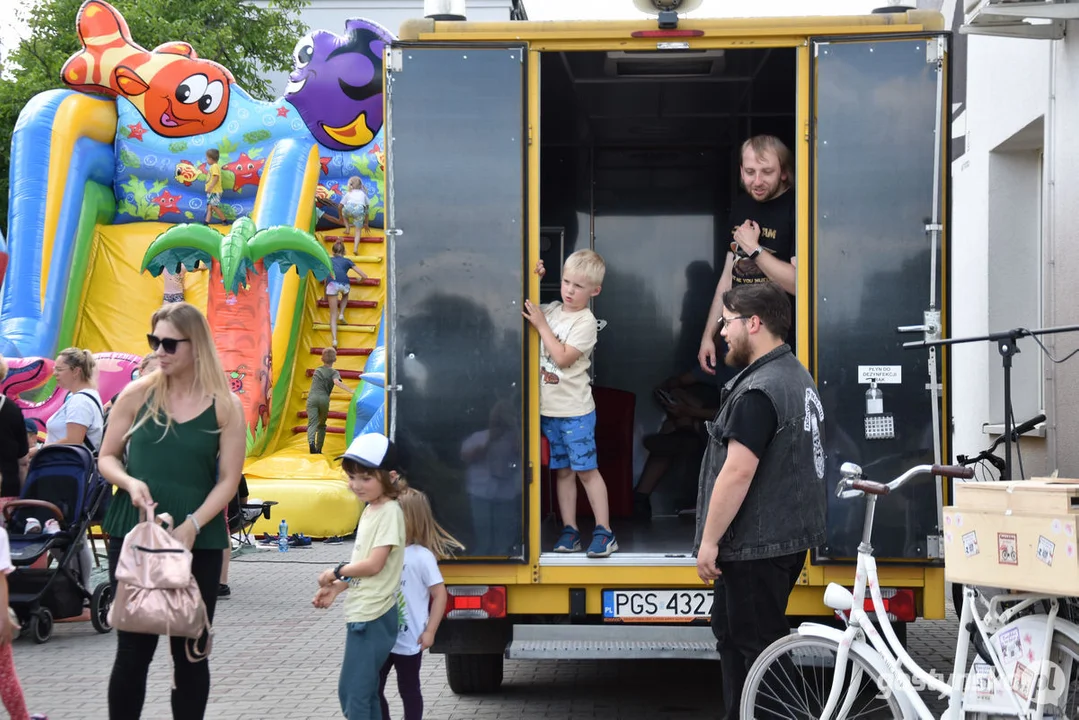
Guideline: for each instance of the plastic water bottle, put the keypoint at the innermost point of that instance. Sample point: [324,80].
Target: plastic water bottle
[282,536]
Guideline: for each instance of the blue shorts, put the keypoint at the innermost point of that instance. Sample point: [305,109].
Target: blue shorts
[572,441]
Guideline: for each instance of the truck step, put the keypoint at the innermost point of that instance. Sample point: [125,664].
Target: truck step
[611,642]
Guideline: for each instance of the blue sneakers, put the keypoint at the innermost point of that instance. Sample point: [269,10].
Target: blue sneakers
[569,541]
[603,543]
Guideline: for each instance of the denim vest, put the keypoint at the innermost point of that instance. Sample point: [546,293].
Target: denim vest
[784,509]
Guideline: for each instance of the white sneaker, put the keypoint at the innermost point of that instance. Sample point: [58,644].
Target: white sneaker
[33,526]
[51,526]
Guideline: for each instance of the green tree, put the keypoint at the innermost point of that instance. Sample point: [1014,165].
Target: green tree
[247,39]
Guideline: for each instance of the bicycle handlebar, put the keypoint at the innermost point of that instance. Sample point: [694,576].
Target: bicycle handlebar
[854,480]
[988,455]
[953,471]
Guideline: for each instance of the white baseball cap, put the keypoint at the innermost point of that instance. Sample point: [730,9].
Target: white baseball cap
[372,450]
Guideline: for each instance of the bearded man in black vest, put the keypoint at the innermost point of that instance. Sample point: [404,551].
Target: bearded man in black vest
[761,499]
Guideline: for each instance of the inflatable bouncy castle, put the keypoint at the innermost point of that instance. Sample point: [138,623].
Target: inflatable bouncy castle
[108,193]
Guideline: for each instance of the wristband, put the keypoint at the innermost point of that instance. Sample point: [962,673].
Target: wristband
[194,522]
[337,572]
[755,253]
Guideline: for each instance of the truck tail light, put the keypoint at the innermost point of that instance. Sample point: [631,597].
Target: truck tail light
[476,602]
[898,604]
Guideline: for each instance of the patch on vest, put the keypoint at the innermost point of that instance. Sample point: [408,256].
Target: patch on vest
[811,424]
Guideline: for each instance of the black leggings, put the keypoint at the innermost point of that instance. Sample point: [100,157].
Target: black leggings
[135,652]
[408,685]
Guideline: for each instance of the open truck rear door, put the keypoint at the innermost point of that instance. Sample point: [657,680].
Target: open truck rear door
[879,129]
[456,205]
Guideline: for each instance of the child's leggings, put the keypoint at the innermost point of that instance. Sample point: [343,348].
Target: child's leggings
[10,689]
[408,685]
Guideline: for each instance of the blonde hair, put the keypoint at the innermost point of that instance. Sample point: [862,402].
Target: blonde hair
[81,360]
[3,367]
[209,374]
[589,263]
[355,182]
[421,527]
[329,355]
[763,144]
[338,248]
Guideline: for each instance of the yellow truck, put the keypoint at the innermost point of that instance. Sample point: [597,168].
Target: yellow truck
[517,141]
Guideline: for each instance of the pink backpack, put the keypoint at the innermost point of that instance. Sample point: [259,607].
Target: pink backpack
[156,593]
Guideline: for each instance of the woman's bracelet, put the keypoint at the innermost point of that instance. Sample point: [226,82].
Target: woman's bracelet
[198,528]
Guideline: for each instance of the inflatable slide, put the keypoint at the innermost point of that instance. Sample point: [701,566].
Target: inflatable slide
[108,194]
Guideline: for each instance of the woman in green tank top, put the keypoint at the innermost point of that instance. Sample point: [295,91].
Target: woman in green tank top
[179,424]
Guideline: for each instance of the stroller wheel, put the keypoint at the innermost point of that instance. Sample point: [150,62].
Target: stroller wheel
[99,607]
[41,625]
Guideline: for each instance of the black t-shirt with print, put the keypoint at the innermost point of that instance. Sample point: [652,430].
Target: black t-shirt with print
[776,218]
[13,447]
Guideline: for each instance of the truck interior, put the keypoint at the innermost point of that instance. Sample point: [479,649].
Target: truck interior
[639,156]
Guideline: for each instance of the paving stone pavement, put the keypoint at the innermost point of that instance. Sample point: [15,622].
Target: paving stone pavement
[277,658]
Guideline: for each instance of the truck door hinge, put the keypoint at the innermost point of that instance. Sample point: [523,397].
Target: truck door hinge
[934,52]
[397,60]
[932,547]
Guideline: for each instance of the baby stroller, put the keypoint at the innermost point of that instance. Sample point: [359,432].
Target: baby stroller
[60,500]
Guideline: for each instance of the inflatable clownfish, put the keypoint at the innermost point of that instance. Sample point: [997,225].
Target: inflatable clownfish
[177,93]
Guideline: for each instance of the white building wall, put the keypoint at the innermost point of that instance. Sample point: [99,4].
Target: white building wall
[1063,247]
[1015,240]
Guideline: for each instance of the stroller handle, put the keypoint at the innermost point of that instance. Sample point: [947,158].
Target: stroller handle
[14,504]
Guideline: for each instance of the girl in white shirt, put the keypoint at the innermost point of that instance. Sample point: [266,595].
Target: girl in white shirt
[421,600]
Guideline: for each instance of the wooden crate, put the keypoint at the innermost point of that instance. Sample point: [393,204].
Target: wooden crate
[1040,496]
[1029,552]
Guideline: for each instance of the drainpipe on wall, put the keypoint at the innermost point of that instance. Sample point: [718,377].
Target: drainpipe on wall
[1049,276]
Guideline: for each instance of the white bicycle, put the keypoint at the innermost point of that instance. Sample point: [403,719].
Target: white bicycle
[1024,664]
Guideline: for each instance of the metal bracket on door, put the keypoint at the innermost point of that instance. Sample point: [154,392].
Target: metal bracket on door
[933,547]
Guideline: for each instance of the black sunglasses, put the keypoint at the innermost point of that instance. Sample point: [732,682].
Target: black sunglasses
[169,344]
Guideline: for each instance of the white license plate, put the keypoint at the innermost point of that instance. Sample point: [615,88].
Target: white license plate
[658,604]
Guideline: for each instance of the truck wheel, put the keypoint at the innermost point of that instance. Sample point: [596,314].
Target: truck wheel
[474,674]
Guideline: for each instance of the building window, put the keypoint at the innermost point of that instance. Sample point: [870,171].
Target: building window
[1015,267]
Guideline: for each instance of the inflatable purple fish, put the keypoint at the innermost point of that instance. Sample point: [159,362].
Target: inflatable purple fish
[336,83]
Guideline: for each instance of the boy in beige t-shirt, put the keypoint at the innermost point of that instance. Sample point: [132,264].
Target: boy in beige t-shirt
[568,331]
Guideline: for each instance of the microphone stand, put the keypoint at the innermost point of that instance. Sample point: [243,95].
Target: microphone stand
[1007,347]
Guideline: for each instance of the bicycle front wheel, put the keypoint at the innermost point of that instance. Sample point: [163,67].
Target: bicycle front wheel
[793,677]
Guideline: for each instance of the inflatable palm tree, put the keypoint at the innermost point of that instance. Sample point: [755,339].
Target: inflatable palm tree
[238,306]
